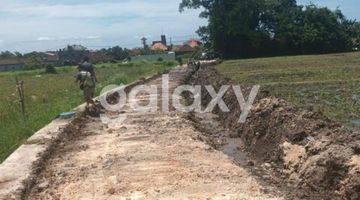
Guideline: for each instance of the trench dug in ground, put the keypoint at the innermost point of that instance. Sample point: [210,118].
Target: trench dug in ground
[306,155]
[314,156]
[149,156]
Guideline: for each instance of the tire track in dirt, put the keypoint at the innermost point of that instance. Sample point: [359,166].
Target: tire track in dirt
[148,156]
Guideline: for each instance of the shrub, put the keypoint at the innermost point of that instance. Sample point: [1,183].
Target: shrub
[50,69]
[179,59]
[169,63]
[33,62]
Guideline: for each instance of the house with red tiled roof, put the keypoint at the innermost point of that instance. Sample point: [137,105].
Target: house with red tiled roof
[193,43]
[188,47]
[159,47]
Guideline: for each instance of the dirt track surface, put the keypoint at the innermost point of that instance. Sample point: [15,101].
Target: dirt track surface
[151,156]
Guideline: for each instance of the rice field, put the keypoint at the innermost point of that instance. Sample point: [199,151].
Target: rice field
[326,83]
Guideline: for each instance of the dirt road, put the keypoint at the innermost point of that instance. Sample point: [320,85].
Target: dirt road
[152,156]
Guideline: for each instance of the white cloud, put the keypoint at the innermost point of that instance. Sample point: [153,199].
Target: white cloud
[92,37]
[44,38]
[39,26]
[130,8]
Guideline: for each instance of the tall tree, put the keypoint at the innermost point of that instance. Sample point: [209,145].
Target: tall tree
[246,28]
[233,24]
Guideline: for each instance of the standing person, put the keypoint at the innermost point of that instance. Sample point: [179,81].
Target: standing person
[87,80]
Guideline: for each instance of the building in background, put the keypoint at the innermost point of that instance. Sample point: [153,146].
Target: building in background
[51,58]
[73,54]
[162,41]
[193,43]
[18,63]
[11,64]
[187,47]
[160,45]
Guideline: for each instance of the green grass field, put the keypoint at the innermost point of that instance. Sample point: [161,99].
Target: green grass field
[328,83]
[47,95]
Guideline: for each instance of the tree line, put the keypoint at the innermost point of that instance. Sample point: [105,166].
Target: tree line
[253,28]
[70,55]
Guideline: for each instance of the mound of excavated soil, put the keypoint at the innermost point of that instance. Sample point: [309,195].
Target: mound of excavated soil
[319,157]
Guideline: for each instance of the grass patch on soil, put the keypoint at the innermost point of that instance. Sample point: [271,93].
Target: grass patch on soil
[47,95]
[328,83]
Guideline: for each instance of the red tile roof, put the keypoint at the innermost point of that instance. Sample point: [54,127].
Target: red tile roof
[194,43]
[159,46]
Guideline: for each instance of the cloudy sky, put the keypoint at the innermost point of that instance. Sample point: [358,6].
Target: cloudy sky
[27,25]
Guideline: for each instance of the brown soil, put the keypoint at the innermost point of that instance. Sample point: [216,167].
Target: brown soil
[319,158]
[149,156]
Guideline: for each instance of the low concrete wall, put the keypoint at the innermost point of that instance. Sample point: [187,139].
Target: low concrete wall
[11,67]
[19,171]
[154,57]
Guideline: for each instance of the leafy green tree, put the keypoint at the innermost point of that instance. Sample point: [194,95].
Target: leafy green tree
[233,25]
[18,54]
[324,31]
[72,54]
[50,69]
[7,54]
[246,28]
[118,53]
[353,30]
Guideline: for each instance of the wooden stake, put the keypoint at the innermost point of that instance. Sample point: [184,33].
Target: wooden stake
[20,88]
